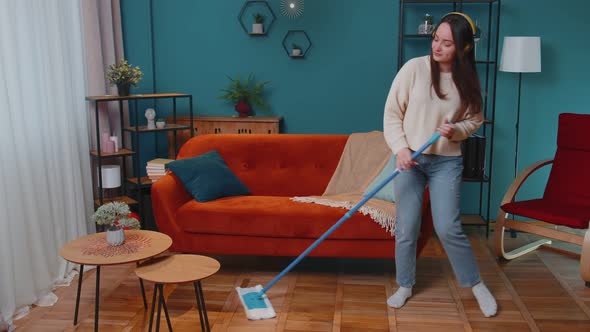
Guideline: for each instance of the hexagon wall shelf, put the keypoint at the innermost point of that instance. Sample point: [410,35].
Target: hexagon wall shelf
[291,34]
[267,25]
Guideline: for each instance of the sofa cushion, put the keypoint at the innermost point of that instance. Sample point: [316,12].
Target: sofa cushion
[386,193]
[273,216]
[207,177]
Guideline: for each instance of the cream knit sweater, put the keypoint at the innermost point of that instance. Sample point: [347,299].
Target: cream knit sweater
[413,111]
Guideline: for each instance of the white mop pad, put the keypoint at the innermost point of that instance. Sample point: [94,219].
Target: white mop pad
[256,307]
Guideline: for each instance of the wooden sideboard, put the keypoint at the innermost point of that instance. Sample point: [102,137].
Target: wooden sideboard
[223,125]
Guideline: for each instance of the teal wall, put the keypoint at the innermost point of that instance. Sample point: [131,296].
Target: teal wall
[341,85]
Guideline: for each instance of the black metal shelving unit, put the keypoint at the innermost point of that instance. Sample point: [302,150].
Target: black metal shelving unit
[132,185]
[487,66]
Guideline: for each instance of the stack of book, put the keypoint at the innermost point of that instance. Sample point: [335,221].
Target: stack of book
[157,168]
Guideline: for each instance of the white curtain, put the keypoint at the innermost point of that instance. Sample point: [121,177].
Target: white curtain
[45,187]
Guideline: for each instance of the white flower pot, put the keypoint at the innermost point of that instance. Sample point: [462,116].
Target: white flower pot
[160,124]
[296,52]
[115,237]
[258,28]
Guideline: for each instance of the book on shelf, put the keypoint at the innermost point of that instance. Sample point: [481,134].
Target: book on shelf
[159,163]
[157,172]
[156,168]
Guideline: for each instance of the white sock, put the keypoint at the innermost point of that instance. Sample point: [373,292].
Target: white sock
[398,299]
[485,299]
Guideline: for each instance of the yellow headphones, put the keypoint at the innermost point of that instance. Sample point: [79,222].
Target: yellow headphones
[468,19]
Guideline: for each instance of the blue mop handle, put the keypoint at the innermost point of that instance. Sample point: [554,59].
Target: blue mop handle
[346,216]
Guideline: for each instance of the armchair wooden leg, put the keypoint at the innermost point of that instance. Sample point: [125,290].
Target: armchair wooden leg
[499,241]
[585,259]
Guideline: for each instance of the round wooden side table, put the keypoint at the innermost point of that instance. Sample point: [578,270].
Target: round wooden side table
[177,269]
[94,250]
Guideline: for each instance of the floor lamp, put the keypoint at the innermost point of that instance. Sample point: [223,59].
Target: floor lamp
[520,55]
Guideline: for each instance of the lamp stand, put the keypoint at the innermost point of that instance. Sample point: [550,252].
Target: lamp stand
[513,232]
[517,126]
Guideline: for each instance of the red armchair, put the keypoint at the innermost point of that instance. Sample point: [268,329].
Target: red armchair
[566,200]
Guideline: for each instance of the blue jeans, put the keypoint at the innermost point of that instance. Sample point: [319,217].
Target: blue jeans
[443,175]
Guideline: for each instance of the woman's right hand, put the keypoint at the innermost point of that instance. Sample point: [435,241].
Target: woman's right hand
[404,159]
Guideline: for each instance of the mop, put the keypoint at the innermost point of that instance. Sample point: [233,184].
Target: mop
[254,299]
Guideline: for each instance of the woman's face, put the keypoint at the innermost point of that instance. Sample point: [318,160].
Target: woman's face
[443,45]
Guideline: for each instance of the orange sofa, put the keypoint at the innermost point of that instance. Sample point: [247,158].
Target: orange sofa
[274,167]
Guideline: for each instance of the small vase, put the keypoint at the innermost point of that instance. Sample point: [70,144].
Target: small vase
[425,28]
[243,108]
[115,236]
[123,89]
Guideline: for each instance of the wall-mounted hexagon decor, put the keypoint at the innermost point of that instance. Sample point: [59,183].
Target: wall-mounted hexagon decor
[296,43]
[262,17]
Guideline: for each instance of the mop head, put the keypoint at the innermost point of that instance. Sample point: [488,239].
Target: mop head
[257,307]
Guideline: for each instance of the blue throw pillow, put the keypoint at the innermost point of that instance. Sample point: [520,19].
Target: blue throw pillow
[386,193]
[207,177]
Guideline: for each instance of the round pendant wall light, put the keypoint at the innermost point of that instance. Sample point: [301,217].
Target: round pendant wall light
[292,8]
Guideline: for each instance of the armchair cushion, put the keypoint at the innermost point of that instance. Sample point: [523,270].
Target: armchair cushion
[207,177]
[570,215]
[569,178]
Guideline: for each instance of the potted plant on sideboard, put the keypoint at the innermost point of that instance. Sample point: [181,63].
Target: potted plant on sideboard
[245,94]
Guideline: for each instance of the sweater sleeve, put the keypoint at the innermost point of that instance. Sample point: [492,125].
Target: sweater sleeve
[467,126]
[395,108]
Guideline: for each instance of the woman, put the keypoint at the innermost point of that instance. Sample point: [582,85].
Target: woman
[438,92]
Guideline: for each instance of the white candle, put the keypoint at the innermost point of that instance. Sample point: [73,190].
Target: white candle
[115,140]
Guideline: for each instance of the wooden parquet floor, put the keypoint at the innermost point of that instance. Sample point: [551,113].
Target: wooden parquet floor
[541,291]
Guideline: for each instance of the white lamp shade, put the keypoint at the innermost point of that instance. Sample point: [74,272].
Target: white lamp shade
[111,176]
[521,55]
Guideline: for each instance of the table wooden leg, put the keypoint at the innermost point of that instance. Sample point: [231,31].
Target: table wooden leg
[165,309]
[153,307]
[78,294]
[142,291]
[203,305]
[96,298]
[159,308]
[199,306]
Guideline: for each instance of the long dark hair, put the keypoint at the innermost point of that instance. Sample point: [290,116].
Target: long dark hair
[463,66]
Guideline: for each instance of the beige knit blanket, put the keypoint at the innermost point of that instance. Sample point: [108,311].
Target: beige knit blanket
[364,157]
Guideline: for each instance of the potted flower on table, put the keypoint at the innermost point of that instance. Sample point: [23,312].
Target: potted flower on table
[117,217]
[123,75]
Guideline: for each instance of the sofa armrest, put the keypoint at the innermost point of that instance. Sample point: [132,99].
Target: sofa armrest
[168,194]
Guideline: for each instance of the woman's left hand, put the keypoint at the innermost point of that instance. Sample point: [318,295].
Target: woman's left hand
[446,129]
